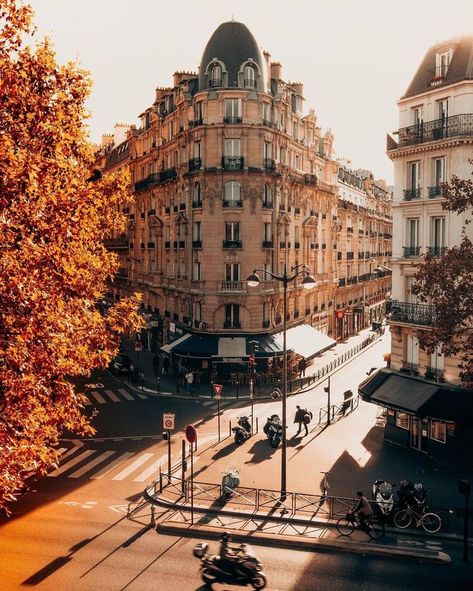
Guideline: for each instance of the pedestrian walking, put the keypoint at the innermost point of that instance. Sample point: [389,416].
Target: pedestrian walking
[190,382]
[302,367]
[299,418]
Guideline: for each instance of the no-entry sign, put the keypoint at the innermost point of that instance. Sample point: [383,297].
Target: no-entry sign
[138,346]
[168,420]
[217,390]
[191,434]
[340,314]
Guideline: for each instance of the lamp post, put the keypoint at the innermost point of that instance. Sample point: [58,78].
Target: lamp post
[308,282]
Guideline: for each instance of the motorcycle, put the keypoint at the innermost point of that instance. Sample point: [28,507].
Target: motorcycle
[273,430]
[242,430]
[230,481]
[413,495]
[383,494]
[244,569]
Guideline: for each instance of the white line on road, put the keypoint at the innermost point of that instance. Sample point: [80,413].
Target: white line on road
[73,462]
[98,397]
[112,395]
[90,465]
[151,470]
[125,394]
[109,467]
[136,464]
[141,395]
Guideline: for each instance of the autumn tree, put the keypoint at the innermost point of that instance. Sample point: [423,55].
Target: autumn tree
[447,283]
[54,268]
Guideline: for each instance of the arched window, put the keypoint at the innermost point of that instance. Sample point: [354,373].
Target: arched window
[232,195]
[216,75]
[249,77]
[197,201]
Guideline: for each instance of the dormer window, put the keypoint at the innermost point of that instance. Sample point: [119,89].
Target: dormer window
[442,63]
[216,75]
[249,77]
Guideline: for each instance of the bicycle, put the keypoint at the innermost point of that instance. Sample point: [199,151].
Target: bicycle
[430,522]
[346,526]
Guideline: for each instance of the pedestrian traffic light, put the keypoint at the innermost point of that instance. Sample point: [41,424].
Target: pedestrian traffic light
[165,435]
[252,359]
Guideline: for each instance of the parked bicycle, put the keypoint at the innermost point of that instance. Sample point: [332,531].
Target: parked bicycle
[429,521]
[347,525]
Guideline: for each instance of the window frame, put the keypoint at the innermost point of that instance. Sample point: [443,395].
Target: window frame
[399,420]
[432,425]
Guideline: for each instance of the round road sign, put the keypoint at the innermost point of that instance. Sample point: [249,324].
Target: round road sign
[191,434]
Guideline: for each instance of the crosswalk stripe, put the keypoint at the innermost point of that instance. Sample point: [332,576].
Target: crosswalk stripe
[136,464]
[87,402]
[151,470]
[112,395]
[207,403]
[73,462]
[141,395]
[125,394]
[109,467]
[90,465]
[98,397]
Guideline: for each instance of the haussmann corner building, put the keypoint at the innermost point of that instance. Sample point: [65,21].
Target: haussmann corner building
[230,176]
[429,409]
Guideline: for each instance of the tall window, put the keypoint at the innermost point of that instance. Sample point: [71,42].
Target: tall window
[437,232]
[232,193]
[298,161]
[232,110]
[232,316]
[196,276]
[296,234]
[216,75]
[232,271]
[268,150]
[411,298]
[197,194]
[267,197]
[266,313]
[266,112]
[437,359]
[413,178]
[442,108]
[412,350]
[197,150]
[417,115]
[267,232]
[250,79]
[438,171]
[232,231]
[199,111]
[232,147]
[196,231]
[197,311]
[412,231]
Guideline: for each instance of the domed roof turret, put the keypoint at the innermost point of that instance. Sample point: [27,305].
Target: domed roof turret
[230,53]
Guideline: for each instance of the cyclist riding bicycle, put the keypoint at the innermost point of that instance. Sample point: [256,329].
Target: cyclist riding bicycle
[362,509]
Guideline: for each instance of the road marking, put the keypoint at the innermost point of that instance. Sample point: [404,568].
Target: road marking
[109,467]
[112,395]
[125,394]
[136,464]
[98,397]
[87,402]
[73,462]
[141,395]
[98,460]
[122,509]
[151,470]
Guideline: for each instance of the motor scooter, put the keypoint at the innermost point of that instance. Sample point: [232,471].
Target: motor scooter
[242,430]
[230,481]
[383,494]
[273,430]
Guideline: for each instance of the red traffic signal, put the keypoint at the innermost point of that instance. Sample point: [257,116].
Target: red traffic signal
[252,359]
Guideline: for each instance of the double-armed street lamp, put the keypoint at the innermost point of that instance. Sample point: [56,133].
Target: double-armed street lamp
[308,282]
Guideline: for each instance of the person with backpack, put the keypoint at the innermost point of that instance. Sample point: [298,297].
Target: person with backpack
[302,417]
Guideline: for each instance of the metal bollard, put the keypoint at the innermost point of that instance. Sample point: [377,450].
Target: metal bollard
[229,428]
[257,426]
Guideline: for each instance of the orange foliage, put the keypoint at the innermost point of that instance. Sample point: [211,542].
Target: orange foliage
[53,265]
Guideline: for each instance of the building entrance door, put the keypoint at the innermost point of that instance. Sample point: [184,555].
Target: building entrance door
[416,439]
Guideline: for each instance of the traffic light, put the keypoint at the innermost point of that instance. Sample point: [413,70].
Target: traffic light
[327,389]
[165,435]
[252,359]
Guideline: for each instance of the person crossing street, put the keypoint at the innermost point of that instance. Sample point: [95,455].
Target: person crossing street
[299,418]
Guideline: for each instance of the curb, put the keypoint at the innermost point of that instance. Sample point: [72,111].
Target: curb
[315,544]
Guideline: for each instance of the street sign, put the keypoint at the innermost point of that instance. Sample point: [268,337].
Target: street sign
[138,346]
[217,390]
[168,420]
[340,314]
[191,434]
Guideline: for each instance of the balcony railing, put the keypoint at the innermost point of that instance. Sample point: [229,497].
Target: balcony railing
[167,175]
[297,245]
[454,126]
[436,251]
[267,244]
[197,204]
[269,164]
[436,191]
[267,205]
[411,368]
[232,324]
[342,282]
[232,203]
[410,194]
[411,251]
[232,120]
[232,286]
[310,179]
[420,314]
[232,244]
[432,373]
[195,164]
[215,82]
[249,83]
[232,162]
[197,244]
[350,255]
[265,324]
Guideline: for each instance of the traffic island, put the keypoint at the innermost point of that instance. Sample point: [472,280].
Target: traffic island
[175,528]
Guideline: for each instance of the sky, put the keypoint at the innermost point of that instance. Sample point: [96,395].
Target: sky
[354,57]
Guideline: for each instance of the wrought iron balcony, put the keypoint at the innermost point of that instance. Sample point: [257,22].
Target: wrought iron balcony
[349,230]
[265,323]
[232,244]
[420,314]
[196,122]
[310,179]
[410,368]
[297,245]
[454,126]
[232,286]
[232,120]
[168,175]
[411,194]
[350,255]
[249,83]
[411,251]
[167,244]
[197,204]
[436,191]
[342,282]
[215,82]
[269,164]
[232,203]
[267,244]
[195,164]
[432,373]
[267,123]
[436,251]
[267,205]
[232,324]
[232,162]
[197,244]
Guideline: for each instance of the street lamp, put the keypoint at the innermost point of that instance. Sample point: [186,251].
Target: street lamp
[308,282]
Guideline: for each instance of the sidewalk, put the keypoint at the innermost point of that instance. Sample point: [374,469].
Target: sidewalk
[167,384]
